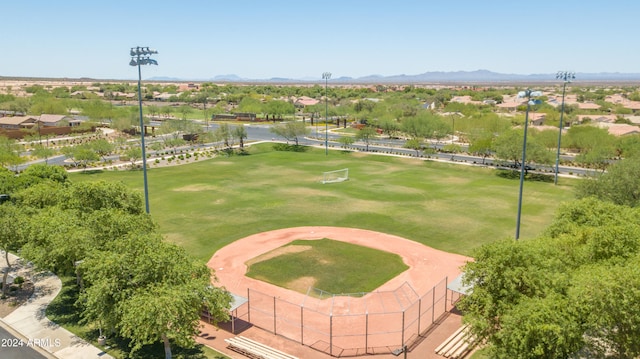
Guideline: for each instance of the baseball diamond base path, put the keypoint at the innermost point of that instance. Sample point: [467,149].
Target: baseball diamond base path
[427,267]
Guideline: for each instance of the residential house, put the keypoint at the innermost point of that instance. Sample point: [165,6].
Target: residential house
[632,105]
[18,122]
[598,118]
[619,129]
[58,120]
[621,100]
[511,103]
[305,101]
[188,87]
[465,100]
[163,96]
[588,106]
[537,118]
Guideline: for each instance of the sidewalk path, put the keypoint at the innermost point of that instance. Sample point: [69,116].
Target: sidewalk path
[29,320]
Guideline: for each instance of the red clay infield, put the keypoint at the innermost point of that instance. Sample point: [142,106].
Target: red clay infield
[427,267]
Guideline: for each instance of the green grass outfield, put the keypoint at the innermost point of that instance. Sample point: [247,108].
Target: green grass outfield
[206,205]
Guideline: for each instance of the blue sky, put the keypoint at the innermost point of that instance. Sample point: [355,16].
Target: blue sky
[199,39]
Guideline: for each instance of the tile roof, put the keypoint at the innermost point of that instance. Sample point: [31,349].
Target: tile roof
[17,120]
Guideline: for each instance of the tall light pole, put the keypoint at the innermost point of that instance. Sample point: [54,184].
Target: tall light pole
[528,94]
[141,56]
[204,110]
[566,77]
[326,76]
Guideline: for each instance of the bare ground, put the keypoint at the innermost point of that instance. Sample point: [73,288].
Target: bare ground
[15,298]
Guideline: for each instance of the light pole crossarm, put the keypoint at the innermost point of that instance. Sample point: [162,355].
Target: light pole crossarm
[566,77]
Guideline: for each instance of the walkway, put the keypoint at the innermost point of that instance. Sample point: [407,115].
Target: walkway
[30,323]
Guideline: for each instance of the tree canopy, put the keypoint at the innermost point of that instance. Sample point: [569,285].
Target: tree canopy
[573,289]
[619,184]
[132,282]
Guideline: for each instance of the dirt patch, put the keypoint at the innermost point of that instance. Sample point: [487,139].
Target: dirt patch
[196,188]
[302,284]
[16,296]
[277,253]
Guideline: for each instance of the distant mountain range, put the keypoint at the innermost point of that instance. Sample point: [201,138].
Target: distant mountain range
[478,76]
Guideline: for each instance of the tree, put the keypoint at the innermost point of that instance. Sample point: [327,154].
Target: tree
[547,138]
[415,127]
[508,146]
[223,133]
[82,155]
[628,146]
[290,130]
[609,298]
[9,152]
[346,141]
[171,131]
[41,151]
[53,173]
[414,144]
[548,297]
[366,134]
[618,185]
[102,148]
[250,104]
[185,110]
[585,138]
[11,236]
[539,328]
[97,110]
[148,290]
[277,108]
[240,133]
[134,153]
[92,196]
[482,146]
[597,157]
[124,123]
[56,239]
[390,128]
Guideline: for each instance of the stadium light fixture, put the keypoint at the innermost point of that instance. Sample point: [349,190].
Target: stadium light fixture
[141,56]
[566,78]
[326,76]
[529,95]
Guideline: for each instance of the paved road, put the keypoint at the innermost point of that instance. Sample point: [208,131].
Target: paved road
[15,348]
[261,132]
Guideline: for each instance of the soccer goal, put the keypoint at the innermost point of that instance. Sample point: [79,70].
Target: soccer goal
[335,176]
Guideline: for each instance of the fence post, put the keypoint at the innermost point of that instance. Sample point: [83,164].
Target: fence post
[419,313]
[402,344]
[248,306]
[274,315]
[366,332]
[433,305]
[446,291]
[330,334]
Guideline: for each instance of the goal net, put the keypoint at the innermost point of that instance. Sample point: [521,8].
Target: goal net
[335,176]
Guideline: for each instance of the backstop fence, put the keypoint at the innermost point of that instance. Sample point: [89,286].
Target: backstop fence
[350,324]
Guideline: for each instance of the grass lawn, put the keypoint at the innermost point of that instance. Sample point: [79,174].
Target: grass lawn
[333,266]
[206,205]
